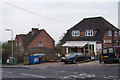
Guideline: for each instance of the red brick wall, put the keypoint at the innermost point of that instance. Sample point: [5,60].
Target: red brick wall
[44,38]
[82,33]
[18,41]
[112,38]
[95,32]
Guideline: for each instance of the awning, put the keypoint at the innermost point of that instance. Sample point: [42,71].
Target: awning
[75,44]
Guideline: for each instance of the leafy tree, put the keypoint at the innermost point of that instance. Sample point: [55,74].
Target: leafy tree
[6,52]
[58,49]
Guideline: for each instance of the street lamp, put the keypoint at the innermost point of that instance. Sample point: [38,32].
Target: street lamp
[11,38]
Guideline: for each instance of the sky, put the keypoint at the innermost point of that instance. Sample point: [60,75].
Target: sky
[56,17]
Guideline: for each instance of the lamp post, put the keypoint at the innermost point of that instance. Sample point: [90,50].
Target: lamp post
[11,39]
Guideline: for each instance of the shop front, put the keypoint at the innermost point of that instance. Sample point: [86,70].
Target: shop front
[84,47]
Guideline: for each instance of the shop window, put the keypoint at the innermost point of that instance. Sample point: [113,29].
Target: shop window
[88,32]
[19,44]
[91,49]
[75,33]
[16,44]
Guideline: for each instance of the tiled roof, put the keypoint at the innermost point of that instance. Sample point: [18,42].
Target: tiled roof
[95,23]
[27,39]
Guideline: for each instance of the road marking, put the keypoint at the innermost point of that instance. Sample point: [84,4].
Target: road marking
[87,75]
[75,72]
[63,71]
[113,76]
[32,75]
[9,72]
[67,65]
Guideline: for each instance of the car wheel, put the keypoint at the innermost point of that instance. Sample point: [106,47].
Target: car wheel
[66,62]
[105,61]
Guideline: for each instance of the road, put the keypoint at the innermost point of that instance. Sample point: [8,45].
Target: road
[60,70]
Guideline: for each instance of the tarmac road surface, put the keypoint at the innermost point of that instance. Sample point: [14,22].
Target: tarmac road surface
[64,71]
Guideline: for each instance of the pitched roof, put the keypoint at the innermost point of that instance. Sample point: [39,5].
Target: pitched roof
[95,23]
[27,39]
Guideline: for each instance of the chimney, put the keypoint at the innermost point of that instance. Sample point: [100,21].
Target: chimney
[34,30]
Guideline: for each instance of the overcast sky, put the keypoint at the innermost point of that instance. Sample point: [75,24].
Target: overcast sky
[55,17]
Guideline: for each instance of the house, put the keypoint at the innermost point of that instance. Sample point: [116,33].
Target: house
[89,36]
[36,41]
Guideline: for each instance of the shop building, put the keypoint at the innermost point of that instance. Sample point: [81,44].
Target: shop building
[89,36]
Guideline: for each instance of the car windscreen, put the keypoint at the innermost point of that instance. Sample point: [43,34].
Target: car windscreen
[70,55]
[104,51]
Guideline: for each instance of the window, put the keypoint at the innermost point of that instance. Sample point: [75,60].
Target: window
[40,44]
[22,49]
[88,32]
[115,33]
[76,33]
[105,51]
[110,50]
[19,44]
[16,44]
[109,33]
[119,33]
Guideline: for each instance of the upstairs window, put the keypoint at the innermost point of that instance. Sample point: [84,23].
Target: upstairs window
[16,44]
[19,44]
[76,33]
[115,33]
[40,44]
[88,32]
[109,33]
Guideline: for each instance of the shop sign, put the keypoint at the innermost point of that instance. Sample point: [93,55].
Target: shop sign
[99,47]
[107,41]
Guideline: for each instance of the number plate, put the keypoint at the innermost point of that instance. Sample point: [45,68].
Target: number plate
[105,56]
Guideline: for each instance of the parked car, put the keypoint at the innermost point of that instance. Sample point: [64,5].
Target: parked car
[110,54]
[74,58]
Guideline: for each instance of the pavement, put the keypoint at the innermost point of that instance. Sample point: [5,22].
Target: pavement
[34,66]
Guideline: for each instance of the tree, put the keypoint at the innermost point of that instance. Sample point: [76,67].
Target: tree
[58,47]
[6,52]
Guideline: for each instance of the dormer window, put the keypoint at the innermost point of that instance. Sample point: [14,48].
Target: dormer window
[109,33]
[75,33]
[88,32]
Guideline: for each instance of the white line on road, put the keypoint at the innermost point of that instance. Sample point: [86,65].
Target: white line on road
[32,75]
[113,76]
[63,71]
[75,72]
[9,72]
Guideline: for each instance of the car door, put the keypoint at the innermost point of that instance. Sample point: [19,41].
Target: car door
[105,53]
